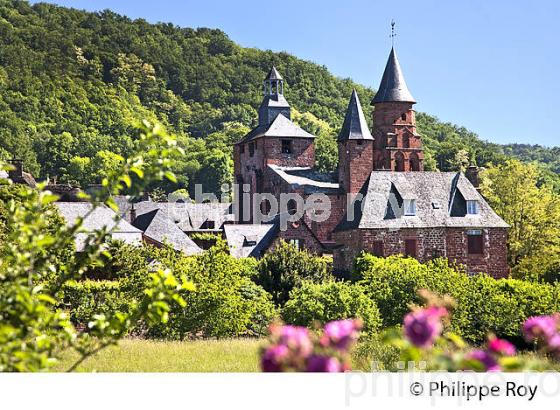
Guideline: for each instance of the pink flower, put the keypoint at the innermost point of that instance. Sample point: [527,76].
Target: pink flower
[501,346]
[323,364]
[540,328]
[341,334]
[296,338]
[423,326]
[486,359]
[554,344]
[273,358]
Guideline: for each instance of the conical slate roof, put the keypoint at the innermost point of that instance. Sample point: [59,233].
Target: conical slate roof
[273,74]
[355,125]
[393,87]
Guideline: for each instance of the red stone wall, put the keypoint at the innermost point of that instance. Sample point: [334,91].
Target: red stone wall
[431,242]
[303,152]
[393,135]
[355,164]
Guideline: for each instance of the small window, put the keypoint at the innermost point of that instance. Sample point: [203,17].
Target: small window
[298,243]
[378,248]
[292,207]
[410,246]
[286,146]
[251,149]
[475,242]
[410,207]
[242,148]
[360,142]
[403,117]
[472,207]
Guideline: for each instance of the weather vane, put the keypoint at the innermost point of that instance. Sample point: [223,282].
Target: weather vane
[393,34]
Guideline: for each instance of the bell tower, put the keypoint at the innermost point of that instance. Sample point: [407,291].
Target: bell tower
[273,102]
[397,147]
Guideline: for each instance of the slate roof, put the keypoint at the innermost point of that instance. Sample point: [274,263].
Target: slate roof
[274,101]
[189,217]
[310,179]
[250,240]
[101,217]
[435,193]
[280,127]
[158,227]
[393,86]
[273,74]
[355,126]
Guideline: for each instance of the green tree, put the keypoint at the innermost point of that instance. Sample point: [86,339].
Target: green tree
[533,213]
[285,267]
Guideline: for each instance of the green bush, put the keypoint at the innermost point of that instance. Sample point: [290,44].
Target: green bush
[285,267]
[500,306]
[225,303]
[87,298]
[483,304]
[330,301]
[393,284]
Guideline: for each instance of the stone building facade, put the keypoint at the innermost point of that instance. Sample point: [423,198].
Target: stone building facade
[381,199]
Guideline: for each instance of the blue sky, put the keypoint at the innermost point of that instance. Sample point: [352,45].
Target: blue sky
[490,66]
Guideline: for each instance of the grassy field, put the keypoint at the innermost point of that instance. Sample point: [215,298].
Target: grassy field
[228,355]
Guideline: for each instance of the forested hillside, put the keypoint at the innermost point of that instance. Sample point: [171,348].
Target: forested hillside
[73,84]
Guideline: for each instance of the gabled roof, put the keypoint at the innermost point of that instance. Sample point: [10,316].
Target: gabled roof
[310,179]
[99,218]
[432,192]
[250,240]
[273,74]
[159,228]
[188,216]
[280,127]
[355,125]
[393,87]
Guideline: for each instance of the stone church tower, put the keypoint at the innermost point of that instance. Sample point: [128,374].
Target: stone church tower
[355,148]
[397,145]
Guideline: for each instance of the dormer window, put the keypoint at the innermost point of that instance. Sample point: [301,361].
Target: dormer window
[410,207]
[472,207]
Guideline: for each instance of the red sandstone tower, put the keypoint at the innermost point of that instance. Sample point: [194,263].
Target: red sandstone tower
[355,148]
[397,146]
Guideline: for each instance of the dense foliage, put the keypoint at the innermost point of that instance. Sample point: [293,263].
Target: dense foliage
[286,267]
[72,83]
[532,209]
[330,301]
[482,304]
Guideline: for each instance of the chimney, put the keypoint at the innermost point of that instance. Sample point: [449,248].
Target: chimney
[472,175]
[16,174]
[132,214]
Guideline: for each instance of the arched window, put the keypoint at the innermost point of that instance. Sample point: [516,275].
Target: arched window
[292,207]
[399,162]
[414,162]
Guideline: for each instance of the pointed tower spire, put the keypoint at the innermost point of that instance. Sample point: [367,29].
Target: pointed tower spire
[355,126]
[393,87]
[273,74]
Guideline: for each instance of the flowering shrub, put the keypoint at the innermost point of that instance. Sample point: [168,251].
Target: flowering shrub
[423,339]
[296,349]
[544,330]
